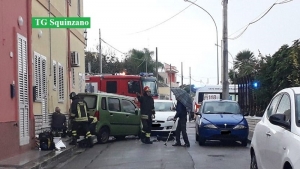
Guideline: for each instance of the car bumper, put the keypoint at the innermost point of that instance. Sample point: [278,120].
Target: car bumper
[163,128]
[224,134]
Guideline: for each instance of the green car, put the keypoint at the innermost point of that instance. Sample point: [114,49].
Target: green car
[117,115]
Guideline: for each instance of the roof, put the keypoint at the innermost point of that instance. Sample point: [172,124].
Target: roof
[220,100]
[159,84]
[107,94]
[296,90]
[158,100]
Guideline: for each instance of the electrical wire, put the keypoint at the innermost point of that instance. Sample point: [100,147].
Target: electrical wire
[279,3]
[163,21]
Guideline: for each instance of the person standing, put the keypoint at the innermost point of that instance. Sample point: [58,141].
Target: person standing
[181,113]
[147,111]
[79,116]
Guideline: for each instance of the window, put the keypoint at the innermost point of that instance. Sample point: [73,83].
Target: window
[163,106]
[73,77]
[54,64]
[40,77]
[79,7]
[80,81]
[272,107]
[61,84]
[221,107]
[128,107]
[134,86]
[284,107]
[111,86]
[152,85]
[91,100]
[114,104]
[103,103]
[297,111]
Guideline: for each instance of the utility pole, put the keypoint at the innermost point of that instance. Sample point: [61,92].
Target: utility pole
[222,59]
[100,54]
[225,83]
[181,74]
[170,81]
[156,65]
[190,81]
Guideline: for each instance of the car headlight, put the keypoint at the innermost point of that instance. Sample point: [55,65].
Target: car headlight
[171,118]
[211,126]
[240,126]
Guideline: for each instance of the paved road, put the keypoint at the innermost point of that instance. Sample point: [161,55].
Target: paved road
[129,154]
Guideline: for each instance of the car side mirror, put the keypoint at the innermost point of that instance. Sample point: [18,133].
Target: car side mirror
[279,120]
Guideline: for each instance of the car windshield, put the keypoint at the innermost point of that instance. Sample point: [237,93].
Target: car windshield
[298,109]
[91,100]
[221,108]
[163,106]
[151,85]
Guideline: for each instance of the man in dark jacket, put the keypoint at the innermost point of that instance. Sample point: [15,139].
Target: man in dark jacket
[147,111]
[80,118]
[181,113]
[58,123]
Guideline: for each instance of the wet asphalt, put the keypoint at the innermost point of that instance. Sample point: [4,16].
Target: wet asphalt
[132,154]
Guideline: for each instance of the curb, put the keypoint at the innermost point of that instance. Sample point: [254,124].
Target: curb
[49,158]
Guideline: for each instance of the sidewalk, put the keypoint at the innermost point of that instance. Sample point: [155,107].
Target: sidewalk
[36,159]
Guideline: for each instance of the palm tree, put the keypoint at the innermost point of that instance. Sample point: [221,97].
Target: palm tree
[245,63]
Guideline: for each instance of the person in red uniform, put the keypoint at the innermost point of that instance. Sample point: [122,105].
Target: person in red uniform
[147,111]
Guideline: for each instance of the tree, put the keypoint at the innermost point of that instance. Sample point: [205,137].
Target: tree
[245,63]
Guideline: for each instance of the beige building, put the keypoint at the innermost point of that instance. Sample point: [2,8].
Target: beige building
[53,78]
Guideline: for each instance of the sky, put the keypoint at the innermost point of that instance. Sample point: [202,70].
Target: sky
[190,37]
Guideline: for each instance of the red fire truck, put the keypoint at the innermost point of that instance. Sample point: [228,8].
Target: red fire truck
[121,84]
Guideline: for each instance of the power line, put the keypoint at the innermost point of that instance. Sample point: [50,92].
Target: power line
[163,21]
[286,1]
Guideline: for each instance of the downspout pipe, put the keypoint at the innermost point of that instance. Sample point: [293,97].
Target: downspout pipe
[50,40]
[30,78]
[69,58]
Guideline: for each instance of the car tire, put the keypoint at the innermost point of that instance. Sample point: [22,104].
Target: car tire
[103,135]
[201,141]
[253,164]
[244,143]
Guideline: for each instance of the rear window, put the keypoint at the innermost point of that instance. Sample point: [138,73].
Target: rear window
[91,100]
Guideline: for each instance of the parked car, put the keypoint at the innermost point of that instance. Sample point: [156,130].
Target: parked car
[117,115]
[163,122]
[221,120]
[276,138]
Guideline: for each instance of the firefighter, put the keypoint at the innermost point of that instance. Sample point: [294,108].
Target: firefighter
[147,111]
[79,116]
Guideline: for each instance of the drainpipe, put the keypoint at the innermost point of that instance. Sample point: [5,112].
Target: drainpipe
[50,63]
[30,84]
[69,58]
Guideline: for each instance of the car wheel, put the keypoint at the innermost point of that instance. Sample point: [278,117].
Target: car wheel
[201,141]
[253,164]
[244,143]
[103,135]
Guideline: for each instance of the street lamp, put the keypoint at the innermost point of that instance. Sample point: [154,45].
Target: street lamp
[216,35]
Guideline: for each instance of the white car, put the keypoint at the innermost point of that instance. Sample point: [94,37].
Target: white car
[276,138]
[163,122]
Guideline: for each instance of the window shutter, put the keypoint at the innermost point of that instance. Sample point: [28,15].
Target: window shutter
[54,75]
[73,77]
[80,82]
[61,86]
[23,90]
[44,89]
[37,76]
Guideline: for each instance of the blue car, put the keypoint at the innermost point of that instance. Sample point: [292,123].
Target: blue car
[221,120]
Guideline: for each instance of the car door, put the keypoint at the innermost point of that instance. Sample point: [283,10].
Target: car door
[262,132]
[132,119]
[116,117]
[276,133]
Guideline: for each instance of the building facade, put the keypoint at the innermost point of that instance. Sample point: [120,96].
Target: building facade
[16,115]
[169,75]
[58,60]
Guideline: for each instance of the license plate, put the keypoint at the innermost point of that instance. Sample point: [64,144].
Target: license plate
[225,132]
[155,125]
